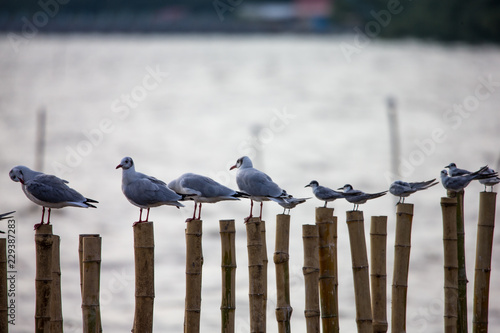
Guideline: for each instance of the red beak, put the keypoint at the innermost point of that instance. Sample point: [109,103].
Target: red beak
[118,166]
[231,168]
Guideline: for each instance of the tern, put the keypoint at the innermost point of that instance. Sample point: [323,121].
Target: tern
[287,201]
[203,189]
[145,191]
[48,191]
[403,189]
[358,197]
[491,181]
[458,183]
[454,171]
[324,193]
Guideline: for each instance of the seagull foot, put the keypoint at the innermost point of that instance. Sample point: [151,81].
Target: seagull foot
[137,222]
[246,219]
[36,226]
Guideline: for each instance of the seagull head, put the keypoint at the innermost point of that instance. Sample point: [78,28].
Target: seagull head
[17,173]
[312,184]
[126,163]
[244,162]
[451,166]
[444,173]
[346,187]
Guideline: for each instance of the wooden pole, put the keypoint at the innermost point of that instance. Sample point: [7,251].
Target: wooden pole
[80,257]
[4,309]
[265,262]
[144,246]
[90,295]
[484,247]
[228,265]
[56,319]
[310,238]
[355,224]
[43,277]
[281,258]
[402,247]
[256,276]
[328,281]
[449,212]
[194,263]
[378,272]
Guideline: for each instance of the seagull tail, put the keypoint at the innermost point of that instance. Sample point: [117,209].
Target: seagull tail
[240,194]
[88,202]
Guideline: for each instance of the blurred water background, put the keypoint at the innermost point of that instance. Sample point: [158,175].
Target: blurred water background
[299,105]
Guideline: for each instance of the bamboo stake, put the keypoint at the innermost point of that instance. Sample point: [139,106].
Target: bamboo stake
[43,277]
[484,247]
[194,263]
[378,272]
[80,257]
[310,238]
[281,258]
[402,247]
[328,281]
[56,319]
[4,310]
[90,295]
[256,276]
[360,271]
[449,212]
[144,246]
[265,262]
[228,265]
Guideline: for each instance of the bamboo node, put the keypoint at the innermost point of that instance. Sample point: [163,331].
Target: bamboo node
[194,310]
[228,266]
[311,313]
[484,270]
[280,257]
[197,234]
[309,270]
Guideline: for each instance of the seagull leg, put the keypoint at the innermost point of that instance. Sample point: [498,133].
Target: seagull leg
[48,217]
[36,226]
[147,216]
[251,210]
[260,214]
[199,211]
[325,204]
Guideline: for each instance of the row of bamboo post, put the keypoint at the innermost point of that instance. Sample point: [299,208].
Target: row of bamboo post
[319,270]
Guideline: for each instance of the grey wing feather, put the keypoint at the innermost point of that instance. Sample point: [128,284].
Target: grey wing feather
[52,189]
[255,182]
[147,192]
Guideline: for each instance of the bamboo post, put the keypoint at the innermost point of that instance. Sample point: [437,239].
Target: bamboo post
[144,245]
[228,265]
[56,319]
[90,295]
[402,247]
[256,276]
[80,257]
[328,280]
[43,277]
[281,258]
[265,262]
[310,238]
[378,272]
[355,224]
[449,212]
[484,247]
[194,263]
[4,310]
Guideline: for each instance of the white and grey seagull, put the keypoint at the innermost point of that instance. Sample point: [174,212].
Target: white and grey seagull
[287,201]
[490,181]
[324,193]
[403,189]
[458,183]
[259,186]
[202,189]
[145,191]
[358,197]
[454,171]
[48,191]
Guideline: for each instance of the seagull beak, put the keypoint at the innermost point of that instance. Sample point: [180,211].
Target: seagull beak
[118,166]
[233,167]
[340,188]
[307,185]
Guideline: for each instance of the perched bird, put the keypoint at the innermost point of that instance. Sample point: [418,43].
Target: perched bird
[324,193]
[491,181]
[259,186]
[358,197]
[458,183]
[403,189]
[202,189]
[144,191]
[454,171]
[48,191]
[287,201]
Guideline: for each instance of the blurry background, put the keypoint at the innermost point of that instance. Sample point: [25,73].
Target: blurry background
[303,88]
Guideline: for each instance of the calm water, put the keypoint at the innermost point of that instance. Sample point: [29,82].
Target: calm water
[297,105]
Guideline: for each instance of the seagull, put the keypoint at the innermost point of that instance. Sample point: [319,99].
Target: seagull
[403,189]
[458,183]
[287,201]
[358,197]
[48,191]
[145,191]
[324,193]
[491,181]
[454,171]
[202,189]
[256,184]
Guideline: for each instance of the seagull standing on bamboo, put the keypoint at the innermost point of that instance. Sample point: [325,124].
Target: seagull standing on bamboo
[458,183]
[259,186]
[324,193]
[358,197]
[48,191]
[202,189]
[454,171]
[145,191]
[287,201]
[491,181]
[403,189]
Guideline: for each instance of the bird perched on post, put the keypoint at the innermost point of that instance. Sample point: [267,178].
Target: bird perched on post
[145,191]
[48,191]
[358,197]
[454,171]
[324,193]
[458,183]
[203,189]
[490,181]
[287,201]
[403,189]
[259,186]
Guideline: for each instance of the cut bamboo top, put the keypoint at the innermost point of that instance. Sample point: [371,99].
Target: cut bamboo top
[144,234]
[44,229]
[324,215]
[404,208]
